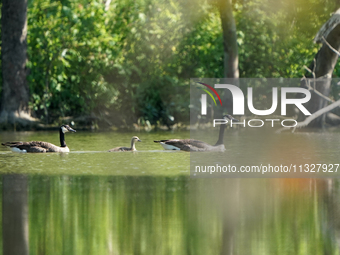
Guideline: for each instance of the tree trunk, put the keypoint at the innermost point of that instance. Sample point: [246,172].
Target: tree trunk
[15,214]
[230,49]
[15,93]
[229,39]
[323,66]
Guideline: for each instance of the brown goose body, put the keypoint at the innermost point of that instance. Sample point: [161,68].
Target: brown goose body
[39,146]
[35,146]
[134,139]
[189,145]
[196,145]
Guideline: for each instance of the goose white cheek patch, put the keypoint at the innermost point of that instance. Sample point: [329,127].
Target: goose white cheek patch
[64,129]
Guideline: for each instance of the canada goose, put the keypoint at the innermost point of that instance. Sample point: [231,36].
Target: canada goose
[134,139]
[37,146]
[196,145]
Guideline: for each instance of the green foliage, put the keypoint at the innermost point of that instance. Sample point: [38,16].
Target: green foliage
[69,48]
[134,60]
[276,38]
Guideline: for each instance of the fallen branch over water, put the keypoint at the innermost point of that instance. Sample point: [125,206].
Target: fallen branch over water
[312,117]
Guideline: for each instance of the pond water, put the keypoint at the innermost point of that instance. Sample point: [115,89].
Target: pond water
[90,201]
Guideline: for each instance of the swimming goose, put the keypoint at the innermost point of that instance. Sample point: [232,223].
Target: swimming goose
[196,145]
[37,146]
[134,139]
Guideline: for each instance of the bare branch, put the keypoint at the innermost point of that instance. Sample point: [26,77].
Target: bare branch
[317,92]
[330,46]
[107,4]
[312,72]
[313,116]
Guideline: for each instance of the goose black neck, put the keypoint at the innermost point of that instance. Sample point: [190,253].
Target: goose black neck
[221,135]
[62,138]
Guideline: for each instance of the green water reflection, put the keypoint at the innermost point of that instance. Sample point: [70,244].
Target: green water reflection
[179,215]
[94,202]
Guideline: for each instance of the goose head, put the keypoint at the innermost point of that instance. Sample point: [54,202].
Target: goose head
[135,139]
[229,117]
[66,128]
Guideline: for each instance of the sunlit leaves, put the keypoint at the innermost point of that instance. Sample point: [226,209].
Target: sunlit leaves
[68,53]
